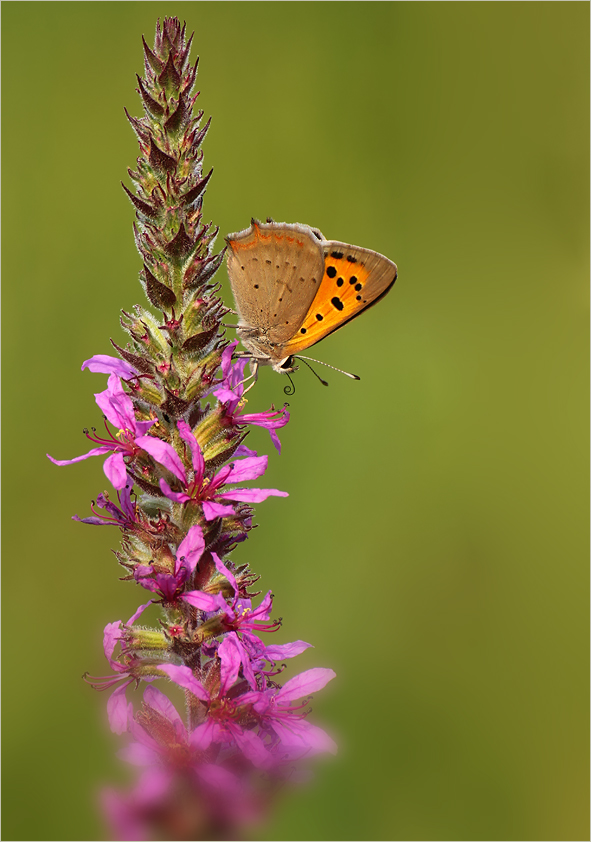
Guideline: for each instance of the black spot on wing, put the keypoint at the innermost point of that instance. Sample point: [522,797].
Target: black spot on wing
[331,272]
[336,302]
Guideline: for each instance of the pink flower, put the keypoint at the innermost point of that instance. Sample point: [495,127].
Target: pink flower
[124,516]
[225,715]
[234,711]
[130,438]
[170,585]
[240,615]
[162,745]
[214,788]
[231,393]
[133,669]
[275,709]
[209,492]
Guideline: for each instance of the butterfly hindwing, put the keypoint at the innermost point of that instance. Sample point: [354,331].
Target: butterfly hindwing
[275,271]
[354,279]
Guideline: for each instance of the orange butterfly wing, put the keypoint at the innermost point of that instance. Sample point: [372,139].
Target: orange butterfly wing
[354,279]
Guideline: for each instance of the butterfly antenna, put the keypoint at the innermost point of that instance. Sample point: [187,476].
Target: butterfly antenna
[315,373]
[320,362]
[289,390]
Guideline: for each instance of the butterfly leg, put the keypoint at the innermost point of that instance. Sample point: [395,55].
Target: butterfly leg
[254,374]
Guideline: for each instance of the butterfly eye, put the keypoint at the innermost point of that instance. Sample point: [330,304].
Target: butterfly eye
[287,363]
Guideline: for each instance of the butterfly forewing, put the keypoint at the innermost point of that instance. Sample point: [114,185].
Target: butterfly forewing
[354,278]
[275,271]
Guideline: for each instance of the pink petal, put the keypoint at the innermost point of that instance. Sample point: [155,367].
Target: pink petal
[275,440]
[115,470]
[263,611]
[299,732]
[142,575]
[140,735]
[196,454]
[227,358]
[305,683]
[252,495]
[216,777]
[203,601]
[229,652]
[225,395]
[117,405]
[213,510]
[163,705]
[190,548]
[118,709]
[252,747]
[177,496]
[250,468]
[221,568]
[184,677]
[153,783]
[104,364]
[204,735]
[232,654]
[111,635]
[123,816]
[138,754]
[286,650]
[142,427]
[96,451]
[243,450]
[140,610]
[163,453]
[254,698]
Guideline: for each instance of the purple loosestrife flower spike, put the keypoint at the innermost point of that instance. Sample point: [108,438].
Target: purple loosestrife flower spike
[175,425]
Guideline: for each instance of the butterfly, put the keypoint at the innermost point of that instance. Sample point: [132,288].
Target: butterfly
[293,287]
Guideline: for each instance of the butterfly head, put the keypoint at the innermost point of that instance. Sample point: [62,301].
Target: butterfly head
[285,366]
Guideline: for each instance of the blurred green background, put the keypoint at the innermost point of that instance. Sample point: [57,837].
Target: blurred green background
[434,547]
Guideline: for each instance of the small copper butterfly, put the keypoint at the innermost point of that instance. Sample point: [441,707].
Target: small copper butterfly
[293,287]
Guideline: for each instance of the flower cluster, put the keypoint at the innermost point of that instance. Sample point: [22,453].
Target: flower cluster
[174,430]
